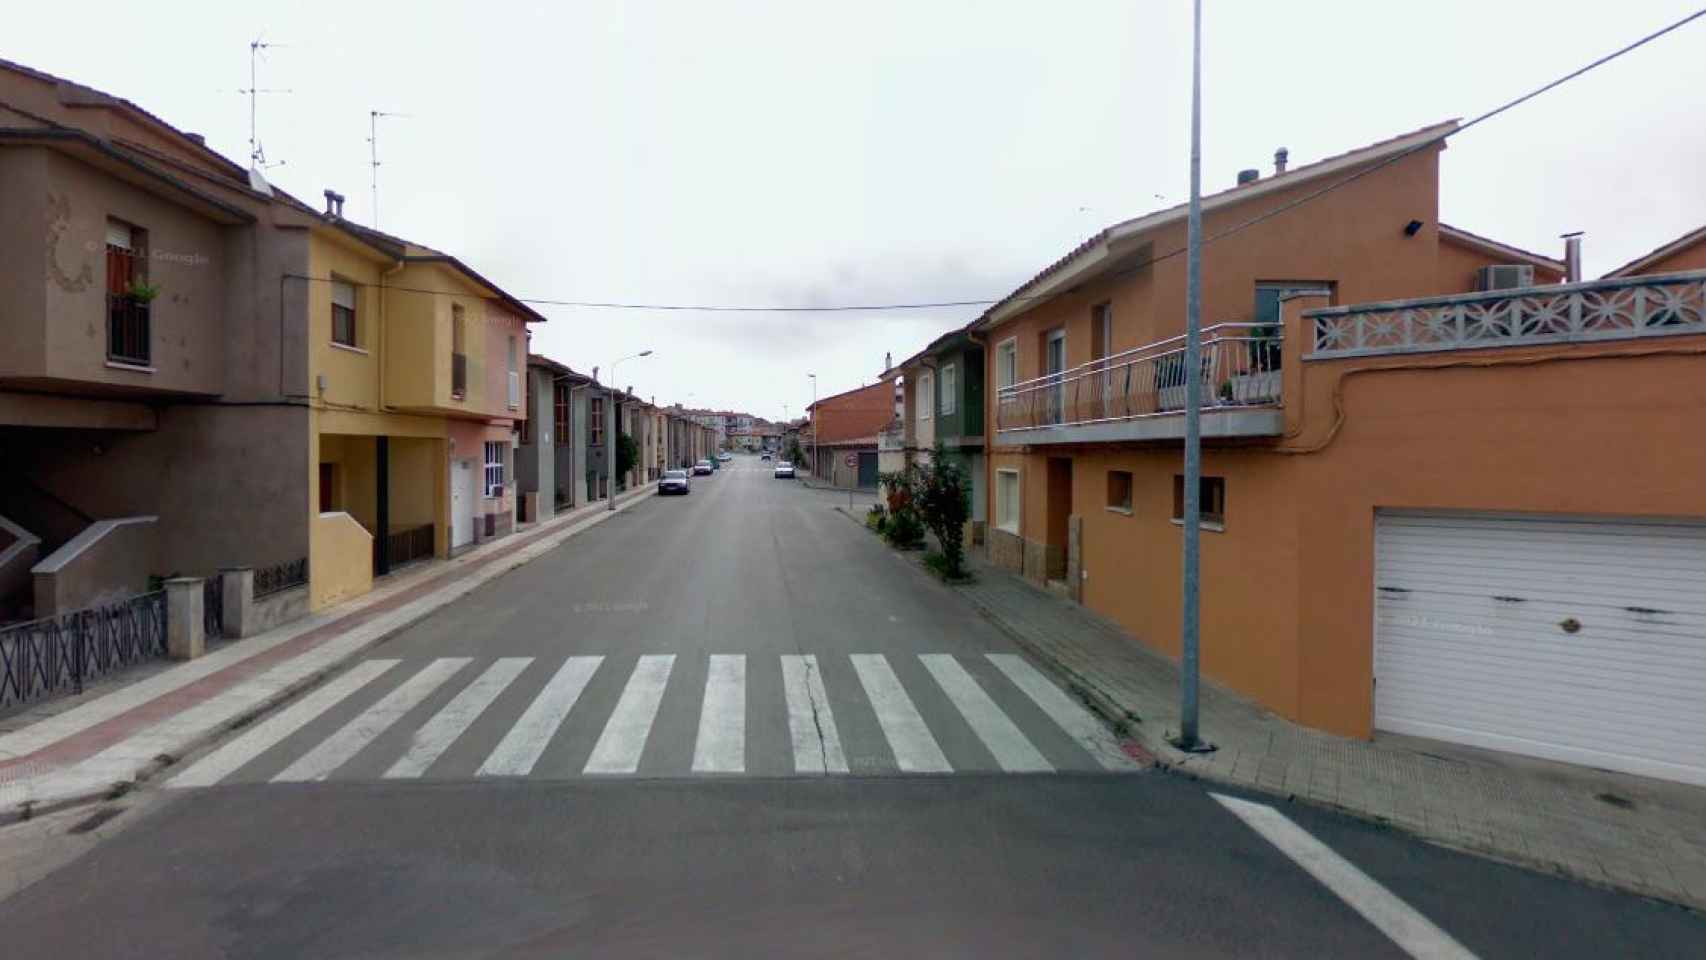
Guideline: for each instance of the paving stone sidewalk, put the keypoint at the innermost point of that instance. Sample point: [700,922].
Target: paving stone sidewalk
[80,749]
[1628,832]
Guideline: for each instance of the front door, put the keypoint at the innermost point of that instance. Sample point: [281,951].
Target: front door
[462,496]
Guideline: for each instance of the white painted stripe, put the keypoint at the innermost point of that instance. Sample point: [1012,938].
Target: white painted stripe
[340,747]
[721,747]
[1080,724]
[522,746]
[1011,749]
[436,735]
[1411,931]
[915,750]
[226,760]
[811,724]
[624,738]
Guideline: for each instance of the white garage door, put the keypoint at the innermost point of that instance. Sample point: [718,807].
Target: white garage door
[1575,639]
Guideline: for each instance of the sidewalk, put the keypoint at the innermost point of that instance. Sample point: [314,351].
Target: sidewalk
[1629,832]
[106,743]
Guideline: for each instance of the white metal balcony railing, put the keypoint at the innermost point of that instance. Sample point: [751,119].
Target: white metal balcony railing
[1564,313]
[1240,369]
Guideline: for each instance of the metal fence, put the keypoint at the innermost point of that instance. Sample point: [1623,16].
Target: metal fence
[213,606]
[43,657]
[407,546]
[279,577]
[1240,368]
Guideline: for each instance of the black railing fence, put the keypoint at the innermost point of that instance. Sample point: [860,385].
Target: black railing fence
[279,577]
[39,658]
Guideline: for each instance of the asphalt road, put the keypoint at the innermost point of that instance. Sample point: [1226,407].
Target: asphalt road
[634,746]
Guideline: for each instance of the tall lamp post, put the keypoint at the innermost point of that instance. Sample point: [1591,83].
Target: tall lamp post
[813,419]
[1191,627]
[610,429]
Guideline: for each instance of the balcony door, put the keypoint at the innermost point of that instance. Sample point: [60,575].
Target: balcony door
[1054,364]
[1101,335]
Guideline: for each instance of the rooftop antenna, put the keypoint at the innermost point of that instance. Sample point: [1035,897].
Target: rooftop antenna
[257,156]
[373,152]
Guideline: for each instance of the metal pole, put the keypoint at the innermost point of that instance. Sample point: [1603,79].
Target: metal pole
[1191,627]
[610,443]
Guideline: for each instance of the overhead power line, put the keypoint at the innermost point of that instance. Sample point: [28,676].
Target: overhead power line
[1125,271]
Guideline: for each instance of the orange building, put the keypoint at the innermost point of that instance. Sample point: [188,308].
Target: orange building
[843,447]
[1438,515]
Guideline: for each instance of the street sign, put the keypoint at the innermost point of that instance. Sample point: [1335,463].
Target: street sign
[852,459]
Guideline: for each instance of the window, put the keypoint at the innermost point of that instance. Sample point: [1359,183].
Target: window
[560,400]
[950,384]
[1007,363]
[458,352]
[495,468]
[343,313]
[128,312]
[926,395]
[597,421]
[1119,490]
[1007,500]
[1211,493]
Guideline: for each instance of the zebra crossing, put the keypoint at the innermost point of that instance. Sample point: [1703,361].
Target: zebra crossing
[624,716]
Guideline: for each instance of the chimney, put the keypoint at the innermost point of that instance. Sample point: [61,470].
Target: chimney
[340,202]
[1573,257]
[1248,176]
[331,202]
[1280,157]
[888,360]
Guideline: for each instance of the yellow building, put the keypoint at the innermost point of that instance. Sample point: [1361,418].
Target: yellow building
[415,374]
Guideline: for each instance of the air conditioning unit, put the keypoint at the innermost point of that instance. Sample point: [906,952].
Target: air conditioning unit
[1504,276]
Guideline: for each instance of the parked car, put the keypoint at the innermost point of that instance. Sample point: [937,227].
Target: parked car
[784,469]
[702,468]
[765,455]
[725,456]
[674,481]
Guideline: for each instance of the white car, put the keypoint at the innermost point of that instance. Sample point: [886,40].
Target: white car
[725,456]
[784,469]
[702,468]
[674,481]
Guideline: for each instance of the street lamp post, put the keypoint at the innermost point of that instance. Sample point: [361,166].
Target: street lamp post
[610,430]
[1191,625]
[813,419]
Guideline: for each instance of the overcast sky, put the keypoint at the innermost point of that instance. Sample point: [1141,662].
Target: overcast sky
[814,153]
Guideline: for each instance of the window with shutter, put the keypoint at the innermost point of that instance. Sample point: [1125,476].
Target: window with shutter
[343,313]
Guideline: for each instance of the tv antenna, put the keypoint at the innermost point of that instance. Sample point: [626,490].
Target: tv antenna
[257,156]
[373,151]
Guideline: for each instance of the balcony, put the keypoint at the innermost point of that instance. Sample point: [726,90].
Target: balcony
[1573,313]
[458,376]
[1140,394]
[128,339]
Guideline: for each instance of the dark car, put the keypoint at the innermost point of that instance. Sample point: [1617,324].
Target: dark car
[674,481]
[702,468]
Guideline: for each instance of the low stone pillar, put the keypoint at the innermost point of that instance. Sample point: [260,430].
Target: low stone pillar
[185,635]
[237,604]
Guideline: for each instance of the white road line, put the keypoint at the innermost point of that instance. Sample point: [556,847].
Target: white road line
[336,750]
[522,746]
[1011,749]
[1079,723]
[624,738]
[225,760]
[1411,931]
[721,747]
[811,724]
[436,735]
[915,750]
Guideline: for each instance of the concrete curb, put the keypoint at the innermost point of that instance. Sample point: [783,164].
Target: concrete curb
[1118,719]
[30,809]
[1152,741]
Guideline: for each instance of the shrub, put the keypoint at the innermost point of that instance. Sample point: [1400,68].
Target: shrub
[938,564]
[903,530]
[943,502]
